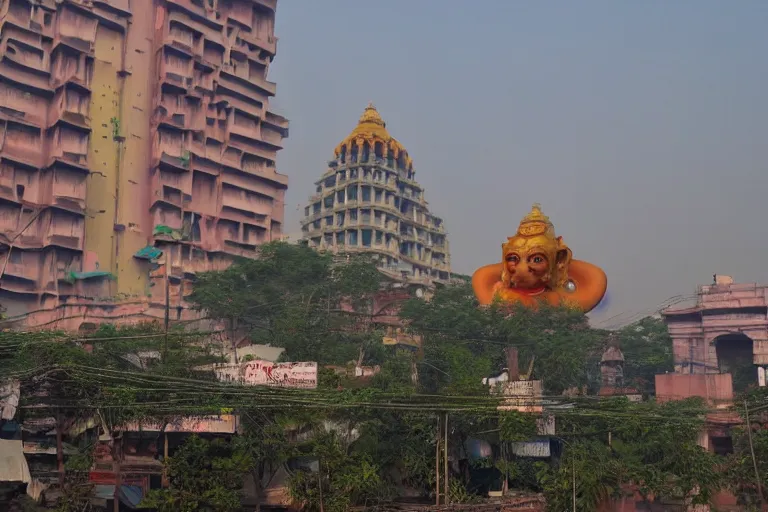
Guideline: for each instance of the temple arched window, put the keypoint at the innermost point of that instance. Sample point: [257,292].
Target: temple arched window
[401,160]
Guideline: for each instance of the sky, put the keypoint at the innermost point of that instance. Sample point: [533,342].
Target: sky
[640,127]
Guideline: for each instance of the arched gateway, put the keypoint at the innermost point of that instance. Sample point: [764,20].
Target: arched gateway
[725,332]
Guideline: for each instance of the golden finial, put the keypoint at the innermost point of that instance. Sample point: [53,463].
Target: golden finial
[372,129]
[536,223]
[371,116]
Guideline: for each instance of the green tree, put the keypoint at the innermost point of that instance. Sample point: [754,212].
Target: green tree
[265,439]
[204,476]
[653,446]
[598,477]
[647,349]
[463,343]
[740,465]
[343,477]
[315,305]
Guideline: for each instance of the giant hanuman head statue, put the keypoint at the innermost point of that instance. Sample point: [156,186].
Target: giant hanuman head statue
[537,265]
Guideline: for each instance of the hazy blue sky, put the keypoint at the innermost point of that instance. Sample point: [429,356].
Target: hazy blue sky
[641,127]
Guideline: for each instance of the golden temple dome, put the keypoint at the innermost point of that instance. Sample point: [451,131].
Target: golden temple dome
[372,130]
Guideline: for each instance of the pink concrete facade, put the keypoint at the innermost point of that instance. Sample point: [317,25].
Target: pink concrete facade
[127,125]
[716,388]
[723,308]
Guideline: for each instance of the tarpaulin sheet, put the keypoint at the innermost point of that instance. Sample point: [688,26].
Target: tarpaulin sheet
[131,495]
[13,464]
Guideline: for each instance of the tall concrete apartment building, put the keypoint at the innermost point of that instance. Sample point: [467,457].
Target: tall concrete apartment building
[137,147]
[368,200]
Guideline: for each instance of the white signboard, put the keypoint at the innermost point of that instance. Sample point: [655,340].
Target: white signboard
[524,396]
[223,424]
[268,373]
[538,449]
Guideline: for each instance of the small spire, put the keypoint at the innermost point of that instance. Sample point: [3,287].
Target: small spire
[370,105]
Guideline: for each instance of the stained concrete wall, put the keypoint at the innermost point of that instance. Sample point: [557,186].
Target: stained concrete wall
[127,124]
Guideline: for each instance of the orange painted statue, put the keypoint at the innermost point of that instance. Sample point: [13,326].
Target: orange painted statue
[536,266]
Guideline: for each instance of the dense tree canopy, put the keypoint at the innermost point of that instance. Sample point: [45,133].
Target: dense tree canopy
[358,441]
[312,304]
[464,343]
[647,349]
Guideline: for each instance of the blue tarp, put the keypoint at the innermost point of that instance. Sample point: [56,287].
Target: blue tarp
[131,495]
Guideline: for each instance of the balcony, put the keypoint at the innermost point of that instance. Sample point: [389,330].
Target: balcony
[20,270]
[267,43]
[277,121]
[26,56]
[199,13]
[269,4]
[62,240]
[272,138]
[245,127]
[23,143]
[72,68]
[245,86]
[71,107]
[122,6]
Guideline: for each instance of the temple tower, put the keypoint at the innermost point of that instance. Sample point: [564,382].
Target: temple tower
[368,200]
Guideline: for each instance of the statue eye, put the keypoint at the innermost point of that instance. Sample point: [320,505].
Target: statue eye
[513,258]
[537,259]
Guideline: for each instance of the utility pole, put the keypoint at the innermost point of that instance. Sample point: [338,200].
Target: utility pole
[754,460]
[574,483]
[167,304]
[513,367]
[320,482]
[60,449]
[573,472]
[165,481]
[445,458]
[118,475]
[437,463]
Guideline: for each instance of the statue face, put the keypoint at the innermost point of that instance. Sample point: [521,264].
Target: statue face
[529,261]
